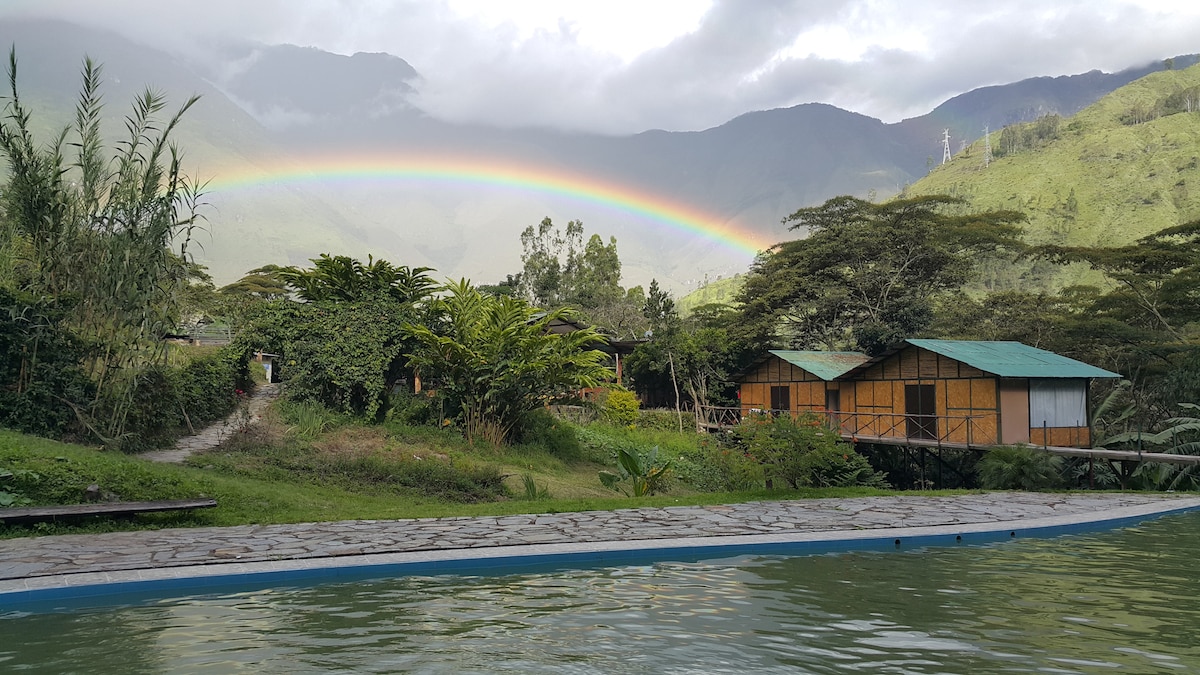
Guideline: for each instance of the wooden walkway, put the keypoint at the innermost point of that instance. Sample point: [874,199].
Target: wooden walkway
[1092,453]
[29,514]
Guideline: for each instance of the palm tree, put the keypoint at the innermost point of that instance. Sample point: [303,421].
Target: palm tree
[497,360]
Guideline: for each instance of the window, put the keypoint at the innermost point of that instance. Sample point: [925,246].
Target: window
[781,398]
[1057,403]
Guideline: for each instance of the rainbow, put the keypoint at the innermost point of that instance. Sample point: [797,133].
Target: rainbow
[493,172]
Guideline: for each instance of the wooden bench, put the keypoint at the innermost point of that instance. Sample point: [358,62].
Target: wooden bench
[30,514]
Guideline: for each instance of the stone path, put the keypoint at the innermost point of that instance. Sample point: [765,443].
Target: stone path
[30,558]
[215,433]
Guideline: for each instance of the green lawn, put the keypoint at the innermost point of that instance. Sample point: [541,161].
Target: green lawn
[347,472]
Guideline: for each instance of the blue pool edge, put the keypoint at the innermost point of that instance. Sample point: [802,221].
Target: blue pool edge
[120,586]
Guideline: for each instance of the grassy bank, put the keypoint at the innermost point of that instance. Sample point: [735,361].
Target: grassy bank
[281,473]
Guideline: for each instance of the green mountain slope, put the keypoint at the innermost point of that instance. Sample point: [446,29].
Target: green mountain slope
[721,291]
[1102,177]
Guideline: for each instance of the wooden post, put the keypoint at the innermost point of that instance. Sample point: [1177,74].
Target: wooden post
[678,412]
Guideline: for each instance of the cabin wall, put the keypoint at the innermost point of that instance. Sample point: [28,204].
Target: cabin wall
[1063,437]
[805,390]
[966,399]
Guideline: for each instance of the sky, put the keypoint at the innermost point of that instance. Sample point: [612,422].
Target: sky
[625,66]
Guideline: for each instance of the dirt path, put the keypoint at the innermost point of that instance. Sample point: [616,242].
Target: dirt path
[212,435]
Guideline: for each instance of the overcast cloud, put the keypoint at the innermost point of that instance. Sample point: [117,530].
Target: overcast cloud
[624,66]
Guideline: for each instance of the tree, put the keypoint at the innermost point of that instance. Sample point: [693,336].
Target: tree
[348,355]
[547,275]
[345,278]
[344,343]
[103,233]
[659,307]
[596,279]
[867,274]
[1157,277]
[233,304]
[511,286]
[560,270]
[1144,326]
[496,360]
[1041,320]
[688,358]
[264,283]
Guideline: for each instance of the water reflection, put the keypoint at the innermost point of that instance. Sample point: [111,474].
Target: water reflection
[1124,601]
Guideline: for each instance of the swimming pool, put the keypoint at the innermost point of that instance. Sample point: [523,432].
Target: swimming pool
[1121,601]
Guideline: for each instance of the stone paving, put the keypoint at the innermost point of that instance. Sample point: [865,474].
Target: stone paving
[29,558]
[214,434]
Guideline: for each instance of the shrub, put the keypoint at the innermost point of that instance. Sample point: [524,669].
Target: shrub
[208,384]
[621,407]
[412,408]
[1019,467]
[602,441]
[647,473]
[533,492]
[834,467]
[41,380]
[601,445]
[802,452]
[712,468]
[664,420]
[10,494]
[166,399]
[557,436]
[780,442]
[445,480]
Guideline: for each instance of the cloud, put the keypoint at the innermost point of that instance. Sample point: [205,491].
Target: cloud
[886,59]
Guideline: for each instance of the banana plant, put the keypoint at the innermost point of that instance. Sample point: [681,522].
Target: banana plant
[646,473]
[1179,438]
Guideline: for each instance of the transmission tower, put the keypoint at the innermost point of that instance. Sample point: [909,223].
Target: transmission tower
[987,147]
[945,146]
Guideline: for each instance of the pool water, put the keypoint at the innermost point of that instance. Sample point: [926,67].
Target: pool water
[1125,601]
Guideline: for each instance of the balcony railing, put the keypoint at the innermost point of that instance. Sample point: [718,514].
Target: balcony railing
[970,430]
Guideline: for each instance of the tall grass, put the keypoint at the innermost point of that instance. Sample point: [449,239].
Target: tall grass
[307,419]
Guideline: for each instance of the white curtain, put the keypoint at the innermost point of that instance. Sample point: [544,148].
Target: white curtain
[1057,403]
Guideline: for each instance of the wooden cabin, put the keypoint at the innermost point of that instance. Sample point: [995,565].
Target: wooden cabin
[796,381]
[966,392]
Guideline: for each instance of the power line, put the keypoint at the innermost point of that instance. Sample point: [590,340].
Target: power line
[945,146]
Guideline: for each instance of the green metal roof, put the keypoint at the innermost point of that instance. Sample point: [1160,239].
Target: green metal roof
[1011,359]
[825,365]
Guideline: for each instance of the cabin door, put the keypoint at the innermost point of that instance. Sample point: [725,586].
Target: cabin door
[920,408]
[833,404]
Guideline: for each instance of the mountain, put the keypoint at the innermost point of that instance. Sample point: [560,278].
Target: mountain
[1124,167]
[966,115]
[286,85]
[309,152]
